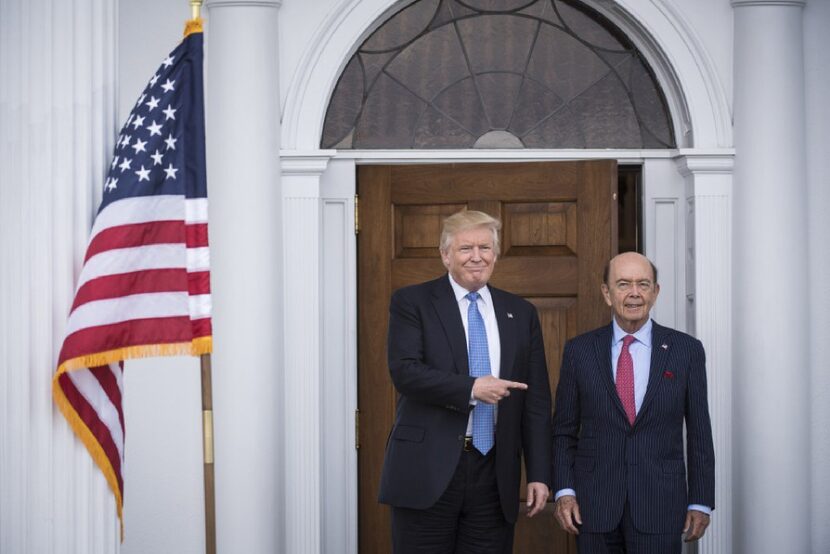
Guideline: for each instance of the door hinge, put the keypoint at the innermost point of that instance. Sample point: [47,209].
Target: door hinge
[357,429]
[356,214]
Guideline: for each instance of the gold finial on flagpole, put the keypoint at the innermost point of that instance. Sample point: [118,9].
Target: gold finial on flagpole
[195,9]
[194,24]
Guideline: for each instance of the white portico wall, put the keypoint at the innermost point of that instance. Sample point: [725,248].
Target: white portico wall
[702,123]
[57,128]
[772,438]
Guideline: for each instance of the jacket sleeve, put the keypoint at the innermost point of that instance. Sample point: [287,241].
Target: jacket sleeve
[536,415]
[412,376]
[699,447]
[566,420]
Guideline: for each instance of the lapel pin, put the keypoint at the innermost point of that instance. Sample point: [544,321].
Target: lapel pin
[668,374]
[509,315]
[664,346]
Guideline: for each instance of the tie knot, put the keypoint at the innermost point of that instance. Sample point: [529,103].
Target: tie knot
[473,297]
[627,340]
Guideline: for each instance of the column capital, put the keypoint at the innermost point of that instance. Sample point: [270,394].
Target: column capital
[753,3]
[302,163]
[691,162]
[243,3]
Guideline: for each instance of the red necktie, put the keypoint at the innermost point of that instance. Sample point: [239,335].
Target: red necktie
[625,379]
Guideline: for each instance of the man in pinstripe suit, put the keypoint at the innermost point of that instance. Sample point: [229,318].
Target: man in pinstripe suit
[625,391]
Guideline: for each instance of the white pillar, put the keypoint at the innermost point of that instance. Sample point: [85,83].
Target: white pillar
[708,284]
[816,46]
[243,130]
[57,128]
[772,409]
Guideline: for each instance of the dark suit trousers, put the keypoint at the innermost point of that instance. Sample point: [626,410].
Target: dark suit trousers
[467,519]
[625,539]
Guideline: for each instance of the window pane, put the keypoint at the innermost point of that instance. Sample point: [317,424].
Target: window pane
[497,73]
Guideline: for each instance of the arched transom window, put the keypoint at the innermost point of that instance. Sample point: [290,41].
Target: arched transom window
[497,74]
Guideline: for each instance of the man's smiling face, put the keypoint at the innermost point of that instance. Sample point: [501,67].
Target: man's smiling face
[471,257]
[631,290]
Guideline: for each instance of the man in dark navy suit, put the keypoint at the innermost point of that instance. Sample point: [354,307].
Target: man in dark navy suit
[625,391]
[469,365]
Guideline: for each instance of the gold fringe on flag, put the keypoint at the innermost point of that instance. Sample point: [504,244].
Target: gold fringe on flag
[193,26]
[196,347]
[92,445]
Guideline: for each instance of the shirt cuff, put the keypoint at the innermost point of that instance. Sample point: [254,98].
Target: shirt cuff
[700,508]
[564,492]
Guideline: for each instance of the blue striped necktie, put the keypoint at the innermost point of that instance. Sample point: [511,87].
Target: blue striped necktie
[479,358]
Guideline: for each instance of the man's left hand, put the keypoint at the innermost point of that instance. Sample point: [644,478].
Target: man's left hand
[695,526]
[537,497]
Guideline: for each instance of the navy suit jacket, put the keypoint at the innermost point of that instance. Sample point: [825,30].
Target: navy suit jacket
[606,460]
[428,365]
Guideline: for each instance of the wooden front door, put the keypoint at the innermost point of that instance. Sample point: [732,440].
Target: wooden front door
[558,229]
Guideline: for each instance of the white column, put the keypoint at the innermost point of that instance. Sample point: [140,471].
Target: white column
[772,409]
[57,128]
[243,130]
[709,295]
[816,46]
[302,226]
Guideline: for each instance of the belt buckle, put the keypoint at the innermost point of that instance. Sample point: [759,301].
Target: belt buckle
[468,444]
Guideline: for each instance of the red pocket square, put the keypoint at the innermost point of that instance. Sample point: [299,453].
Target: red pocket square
[668,374]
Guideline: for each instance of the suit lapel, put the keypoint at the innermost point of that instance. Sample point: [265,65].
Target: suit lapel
[507,332]
[446,306]
[602,349]
[660,348]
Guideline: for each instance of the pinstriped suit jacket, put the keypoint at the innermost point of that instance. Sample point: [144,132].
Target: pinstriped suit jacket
[606,460]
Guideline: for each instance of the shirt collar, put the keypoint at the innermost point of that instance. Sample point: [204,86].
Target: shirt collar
[643,334]
[461,292]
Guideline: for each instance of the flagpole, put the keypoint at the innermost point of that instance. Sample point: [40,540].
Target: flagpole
[207,412]
[207,439]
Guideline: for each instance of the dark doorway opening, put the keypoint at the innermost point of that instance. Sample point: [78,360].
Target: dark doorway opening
[630,208]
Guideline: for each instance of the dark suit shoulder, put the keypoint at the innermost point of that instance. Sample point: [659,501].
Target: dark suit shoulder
[658,330]
[674,335]
[424,290]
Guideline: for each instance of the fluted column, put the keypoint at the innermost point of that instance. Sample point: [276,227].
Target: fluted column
[772,410]
[243,130]
[708,255]
[57,128]
[303,353]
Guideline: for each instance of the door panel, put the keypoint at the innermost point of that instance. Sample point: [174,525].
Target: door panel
[558,230]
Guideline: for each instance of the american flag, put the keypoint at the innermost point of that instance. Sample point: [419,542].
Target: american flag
[144,289]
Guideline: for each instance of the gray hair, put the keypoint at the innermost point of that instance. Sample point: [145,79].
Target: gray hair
[468,219]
